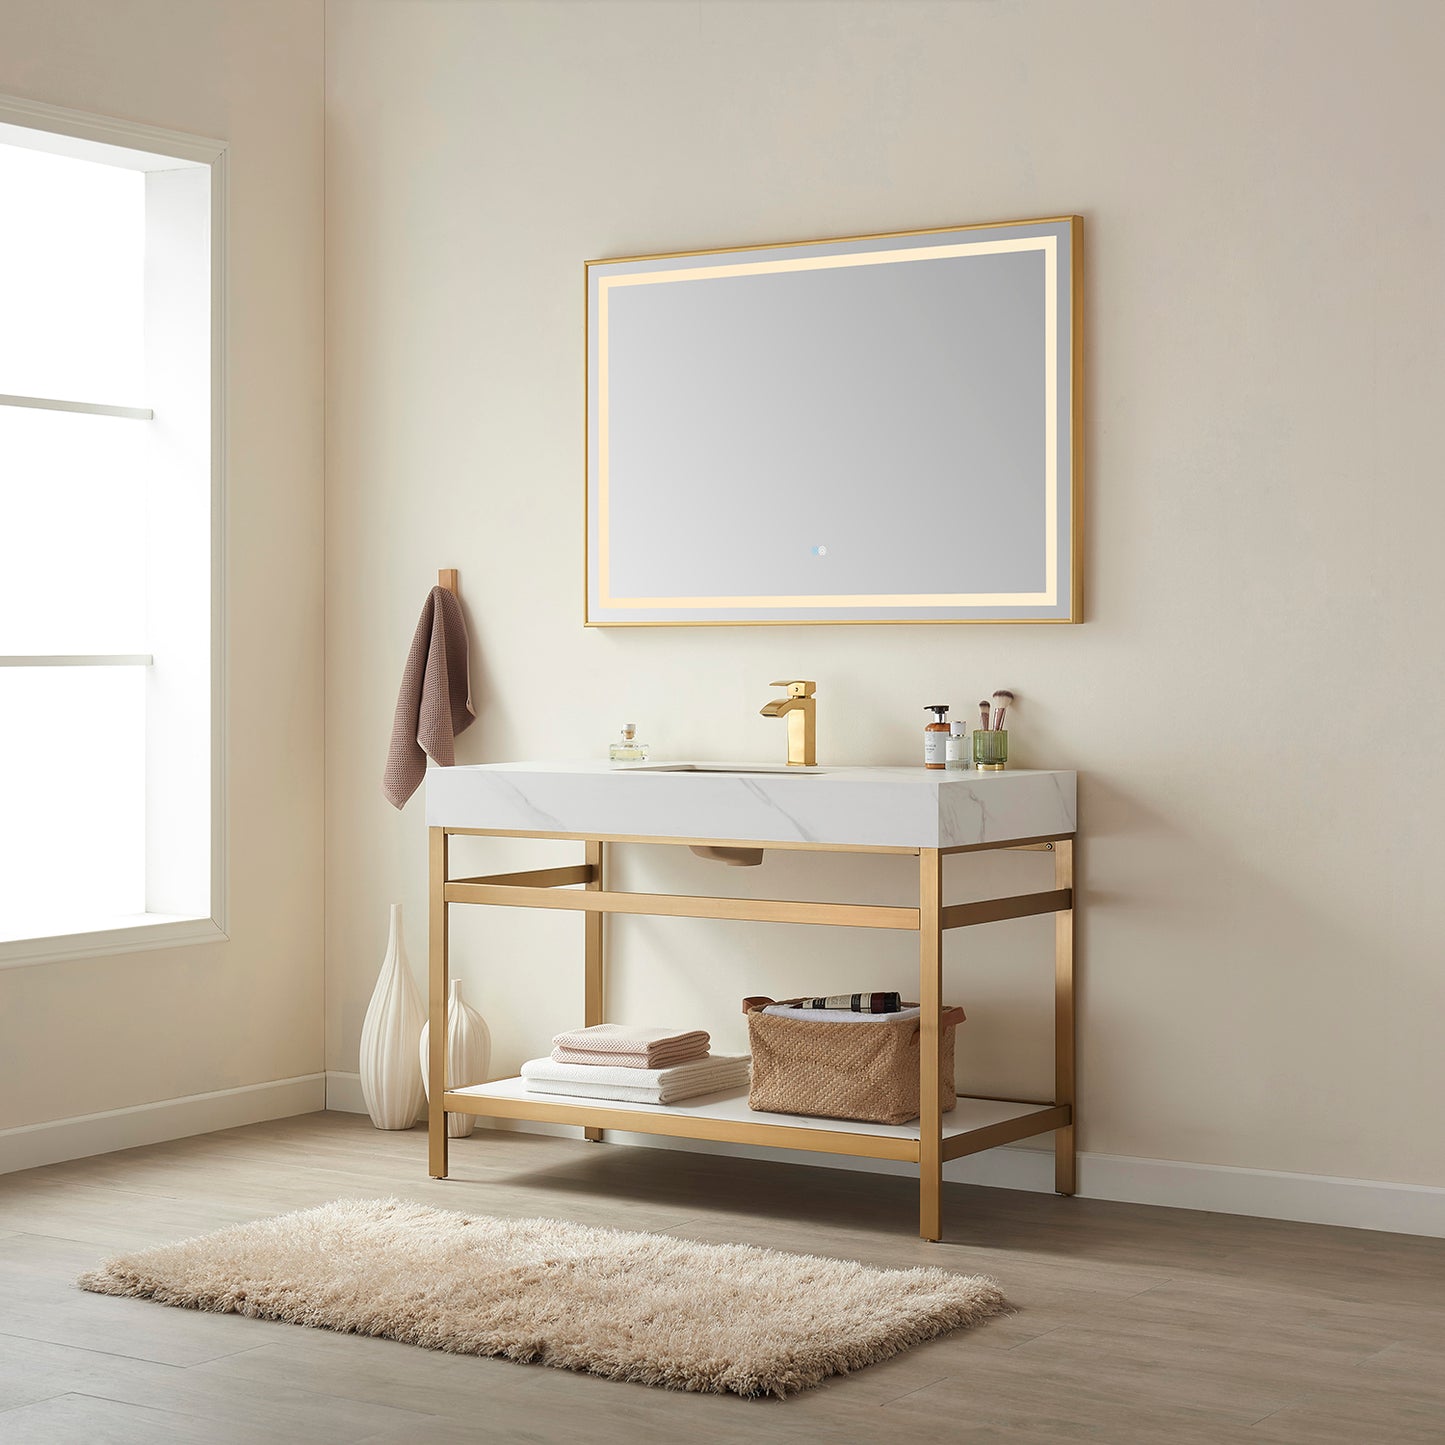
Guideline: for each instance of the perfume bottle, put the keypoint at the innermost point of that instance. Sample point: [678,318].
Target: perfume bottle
[956,751]
[627,749]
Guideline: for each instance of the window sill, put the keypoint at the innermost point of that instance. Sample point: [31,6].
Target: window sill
[136,933]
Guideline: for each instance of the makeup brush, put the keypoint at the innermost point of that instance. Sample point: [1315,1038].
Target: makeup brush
[983,716]
[1002,699]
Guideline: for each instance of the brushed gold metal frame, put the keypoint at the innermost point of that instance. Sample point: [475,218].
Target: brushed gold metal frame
[932,919]
[1076,430]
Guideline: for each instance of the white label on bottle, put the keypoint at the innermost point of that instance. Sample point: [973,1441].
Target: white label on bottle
[934,748]
[955,747]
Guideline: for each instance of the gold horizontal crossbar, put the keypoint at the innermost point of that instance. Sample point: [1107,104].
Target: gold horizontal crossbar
[538,877]
[753,910]
[1015,845]
[994,910]
[685,1126]
[679,842]
[1006,1132]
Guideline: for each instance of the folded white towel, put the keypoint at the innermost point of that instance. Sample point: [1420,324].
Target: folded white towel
[720,1065]
[713,1074]
[839,1015]
[678,1094]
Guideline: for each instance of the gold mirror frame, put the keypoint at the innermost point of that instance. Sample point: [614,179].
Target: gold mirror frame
[1060,600]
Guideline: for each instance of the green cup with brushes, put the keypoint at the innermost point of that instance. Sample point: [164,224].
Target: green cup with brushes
[990,737]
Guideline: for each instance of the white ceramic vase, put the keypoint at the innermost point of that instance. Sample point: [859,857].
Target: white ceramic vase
[469,1055]
[391,1082]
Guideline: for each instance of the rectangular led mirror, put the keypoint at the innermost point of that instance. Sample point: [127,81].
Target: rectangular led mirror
[878,429]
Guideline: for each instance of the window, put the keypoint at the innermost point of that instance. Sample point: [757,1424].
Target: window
[110,796]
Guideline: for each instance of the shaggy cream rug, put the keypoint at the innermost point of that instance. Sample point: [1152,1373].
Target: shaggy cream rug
[643,1307]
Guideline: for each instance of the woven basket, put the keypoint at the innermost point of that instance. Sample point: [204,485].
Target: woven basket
[863,1071]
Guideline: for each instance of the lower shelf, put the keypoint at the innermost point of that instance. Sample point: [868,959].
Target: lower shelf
[972,1125]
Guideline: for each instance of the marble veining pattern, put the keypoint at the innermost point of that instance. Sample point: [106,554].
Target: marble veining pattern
[868,807]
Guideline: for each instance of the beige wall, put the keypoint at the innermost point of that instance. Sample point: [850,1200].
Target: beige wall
[105,1033]
[1261,946]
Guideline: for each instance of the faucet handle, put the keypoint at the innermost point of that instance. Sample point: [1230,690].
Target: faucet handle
[797,689]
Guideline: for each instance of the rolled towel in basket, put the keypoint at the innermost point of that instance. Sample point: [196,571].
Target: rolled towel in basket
[838,1015]
[858,1003]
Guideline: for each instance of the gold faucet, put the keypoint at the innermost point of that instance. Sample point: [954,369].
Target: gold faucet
[801,709]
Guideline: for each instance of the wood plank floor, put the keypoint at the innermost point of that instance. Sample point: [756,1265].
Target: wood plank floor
[1132,1324]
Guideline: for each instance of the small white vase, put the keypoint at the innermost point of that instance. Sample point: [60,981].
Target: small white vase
[391,1083]
[469,1056]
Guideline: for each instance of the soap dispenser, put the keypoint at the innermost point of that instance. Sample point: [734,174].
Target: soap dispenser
[935,737]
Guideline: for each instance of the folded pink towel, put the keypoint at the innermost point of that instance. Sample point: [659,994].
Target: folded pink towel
[435,701]
[643,1046]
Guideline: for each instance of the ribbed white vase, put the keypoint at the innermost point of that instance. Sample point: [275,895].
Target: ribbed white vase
[391,1083]
[469,1055]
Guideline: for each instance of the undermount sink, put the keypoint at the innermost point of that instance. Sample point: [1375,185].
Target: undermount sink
[753,803]
[743,769]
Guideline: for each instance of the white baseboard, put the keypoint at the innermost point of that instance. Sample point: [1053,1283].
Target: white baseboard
[32,1145]
[1266,1193]
[343,1093]
[344,1096]
[1216,1188]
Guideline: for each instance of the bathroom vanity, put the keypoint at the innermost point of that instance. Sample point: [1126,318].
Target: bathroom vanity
[926,815]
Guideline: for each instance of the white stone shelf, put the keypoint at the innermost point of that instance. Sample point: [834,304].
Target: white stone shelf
[727,1116]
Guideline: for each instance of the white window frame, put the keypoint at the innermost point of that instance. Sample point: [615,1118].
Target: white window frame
[150,147]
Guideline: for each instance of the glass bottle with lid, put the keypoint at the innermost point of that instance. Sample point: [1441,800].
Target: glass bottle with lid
[627,749]
[957,752]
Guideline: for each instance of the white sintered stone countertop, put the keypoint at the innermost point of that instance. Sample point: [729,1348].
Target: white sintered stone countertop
[755,803]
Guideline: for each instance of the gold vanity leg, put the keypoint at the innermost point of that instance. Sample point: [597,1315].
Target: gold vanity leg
[930,998]
[1065,1158]
[592,1007]
[437,987]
